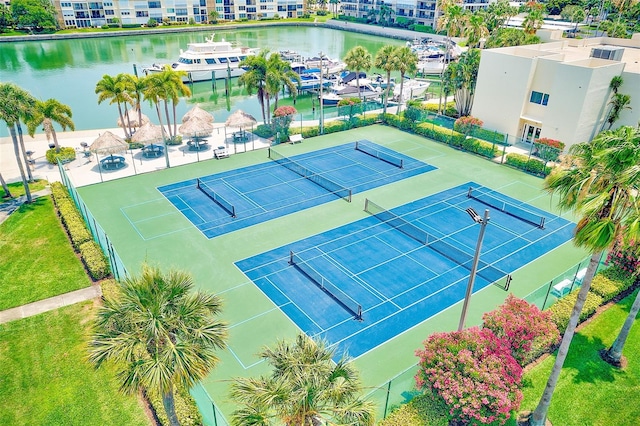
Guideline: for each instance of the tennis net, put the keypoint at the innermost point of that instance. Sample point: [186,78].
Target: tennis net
[362,146]
[486,271]
[215,197]
[510,209]
[327,286]
[319,180]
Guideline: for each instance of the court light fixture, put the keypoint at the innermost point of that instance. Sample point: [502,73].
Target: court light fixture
[483,221]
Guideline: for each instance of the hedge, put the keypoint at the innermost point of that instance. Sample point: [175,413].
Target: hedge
[186,408]
[94,260]
[65,155]
[561,310]
[424,409]
[611,282]
[480,147]
[440,134]
[527,164]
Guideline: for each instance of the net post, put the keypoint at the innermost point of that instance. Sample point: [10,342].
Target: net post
[402,163]
[507,283]
[366,204]
[269,152]
[197,182]
[542,220]
[469,192]
[359,314]
[290,257]
[233,211]
[349,196]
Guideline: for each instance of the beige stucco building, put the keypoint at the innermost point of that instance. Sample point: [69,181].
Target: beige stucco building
[559,90]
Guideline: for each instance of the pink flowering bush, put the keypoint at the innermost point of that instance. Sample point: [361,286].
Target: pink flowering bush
[548,149]
[466,124]
[626,256]
[282,118]
[527,330]
[474,372]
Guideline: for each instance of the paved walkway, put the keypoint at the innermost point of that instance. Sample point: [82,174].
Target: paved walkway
[50,304]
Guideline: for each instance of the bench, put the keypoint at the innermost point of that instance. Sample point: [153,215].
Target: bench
[562,288]
[296,138]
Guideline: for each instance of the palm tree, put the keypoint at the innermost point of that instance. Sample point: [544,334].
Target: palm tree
[406,61]
[5,187]
[475,30]
[134,87]
[600,185]
[255,77]
[385,59]
[358,59]
[279,75]
[460,78]
[16,104]
[534,19]
[334,5]
[176,89]
[49,112]
[155,92]
[305,388]
[113,89]
[613,355]
[159,334]
[452,20]
[618,103]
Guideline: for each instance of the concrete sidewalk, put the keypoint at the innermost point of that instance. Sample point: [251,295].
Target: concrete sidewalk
[50,304]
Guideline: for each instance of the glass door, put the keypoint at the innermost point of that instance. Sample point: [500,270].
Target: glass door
[530,133]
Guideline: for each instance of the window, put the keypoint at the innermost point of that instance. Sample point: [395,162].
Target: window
[539,98]
[155,5]
[142,14]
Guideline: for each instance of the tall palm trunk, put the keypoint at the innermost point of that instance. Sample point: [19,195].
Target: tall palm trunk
[401,90]
[175,121]
[386,92]
[164,138]
[16,150]
[166,114]
[168,402]
[539,416]
[24,152]
[7,193]
[614,354]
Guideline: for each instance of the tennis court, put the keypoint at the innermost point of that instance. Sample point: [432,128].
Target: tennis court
[228,201]
[361,284]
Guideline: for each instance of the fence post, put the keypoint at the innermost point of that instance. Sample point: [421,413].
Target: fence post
[544,304]
[386,402]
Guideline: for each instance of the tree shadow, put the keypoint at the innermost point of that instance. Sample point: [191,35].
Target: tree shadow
[584,358]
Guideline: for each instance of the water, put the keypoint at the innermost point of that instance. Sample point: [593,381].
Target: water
[68,70]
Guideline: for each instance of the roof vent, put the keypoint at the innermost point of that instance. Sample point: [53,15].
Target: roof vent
[612,53]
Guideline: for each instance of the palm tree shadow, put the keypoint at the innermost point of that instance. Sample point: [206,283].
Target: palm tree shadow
[584,358]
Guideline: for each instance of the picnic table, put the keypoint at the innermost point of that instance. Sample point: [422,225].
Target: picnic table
[112,162]
[198,144]
[153,150]
[240,136]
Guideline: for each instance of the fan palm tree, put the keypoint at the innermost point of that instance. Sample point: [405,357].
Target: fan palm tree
[385,59]
[601,185]
[358,59]
[618,103]
[406,61]
[255,78]
[279,75]
[113,89]
[452,20]
[134,86]
[460,78]
[475,30]
[49,112]
[305,388]
[534,19]
[175,89]
[155,92]
[16,104]
[159,334]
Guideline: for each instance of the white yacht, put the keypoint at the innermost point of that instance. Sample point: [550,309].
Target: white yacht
[202,61]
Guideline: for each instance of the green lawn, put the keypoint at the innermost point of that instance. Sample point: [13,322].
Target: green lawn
[17,189]
[37,260]
[590,391]
[46,379]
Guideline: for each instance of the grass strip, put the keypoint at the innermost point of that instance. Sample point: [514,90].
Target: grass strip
[37,260]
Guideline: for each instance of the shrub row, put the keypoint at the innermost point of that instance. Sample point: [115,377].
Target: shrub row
[90,252]
[531,165]
[65,155]
[424,409]
[480,147]
[606,285]
[186,408]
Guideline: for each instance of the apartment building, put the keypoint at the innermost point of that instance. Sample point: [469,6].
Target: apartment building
[422,12]
[84,14]
[559,90]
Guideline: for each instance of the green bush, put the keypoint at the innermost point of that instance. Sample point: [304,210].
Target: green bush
[422,28]
[488,135]
[176,140]
[424,409]
[479,147]
[135,145]
[532,165]
[336,126]
[440,134]
[65,155]
[94,260]
[611,282]
[450,109]
[264,131]
[561,310]
[110,288]
[186,408]
[69,215]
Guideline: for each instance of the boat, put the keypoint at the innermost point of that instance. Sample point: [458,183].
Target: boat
[330,67]
[331,99]
[211,59]
[351,90]
[412,88]
[311,79]
[431,66]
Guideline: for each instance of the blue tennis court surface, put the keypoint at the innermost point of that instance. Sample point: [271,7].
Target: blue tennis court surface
[239,198]
[395,278]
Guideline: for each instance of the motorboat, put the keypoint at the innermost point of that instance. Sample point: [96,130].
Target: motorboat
[311,79]
[211,59]
[331,99]
[330,67]
[431,66]
[351,89]
[412,88]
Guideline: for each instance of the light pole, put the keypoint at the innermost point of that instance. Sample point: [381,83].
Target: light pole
[321,129]
[472,277]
